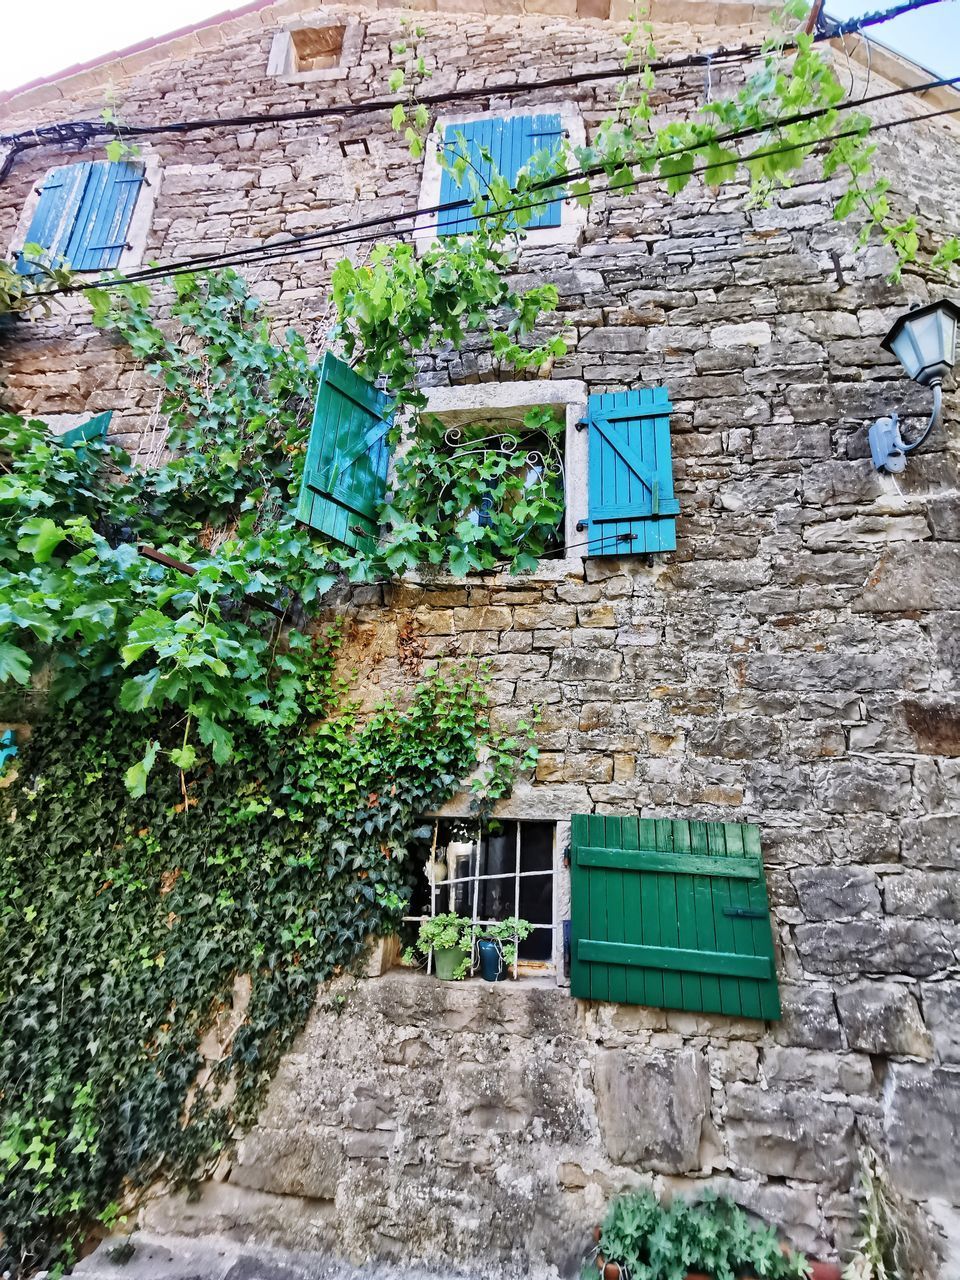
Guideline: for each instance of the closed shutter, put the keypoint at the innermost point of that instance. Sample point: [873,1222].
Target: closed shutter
[84,214]
[348,455]
[99,233]
[630,504]
[8,746]
[501,145]
[672,915]
[55,214]
[95,429]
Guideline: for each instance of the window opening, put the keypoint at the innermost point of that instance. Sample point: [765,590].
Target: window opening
[316,48]
[488,875]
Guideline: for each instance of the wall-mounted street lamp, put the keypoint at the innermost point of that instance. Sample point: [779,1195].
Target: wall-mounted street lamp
[925,342]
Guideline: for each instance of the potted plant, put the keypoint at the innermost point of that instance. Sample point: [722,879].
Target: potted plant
[497,946]
[711,1240]
[449,937]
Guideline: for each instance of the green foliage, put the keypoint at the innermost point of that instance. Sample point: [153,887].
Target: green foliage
[882,1252]
[507,933]
[79,602]
[652,1241]
[479,496]
[124,925]
[22,294]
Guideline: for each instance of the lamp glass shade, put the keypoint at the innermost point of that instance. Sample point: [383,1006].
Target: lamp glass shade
[925,341]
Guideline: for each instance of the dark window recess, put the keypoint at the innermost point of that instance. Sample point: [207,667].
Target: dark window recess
[504,872]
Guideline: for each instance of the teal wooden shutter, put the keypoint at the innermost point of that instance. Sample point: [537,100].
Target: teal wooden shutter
[348,455]
[511,144]
[8,746]
[99,234]
[84,214]
[672,915]
[55,214]
[95,429]
[630,506]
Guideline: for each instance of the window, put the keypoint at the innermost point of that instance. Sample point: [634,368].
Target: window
[509,142]
[307,52]
[491,875]
[93,216]
[492,419]
[603,462]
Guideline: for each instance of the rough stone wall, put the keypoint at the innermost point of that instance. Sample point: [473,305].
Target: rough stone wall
[792,664]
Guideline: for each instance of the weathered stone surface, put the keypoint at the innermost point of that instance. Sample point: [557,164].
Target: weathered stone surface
[920,576]
[830,893]
[922,1130]
[941,1007]
[790,1134]
[930,895]
[809,1017]
[883,1018]
[913,947]
[651,1108]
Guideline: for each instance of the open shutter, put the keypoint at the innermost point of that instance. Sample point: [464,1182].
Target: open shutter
[8,746]
[672,915]
[511,143]
[55,214]
[348,455]
[631,507]
[99,233]
[95,429]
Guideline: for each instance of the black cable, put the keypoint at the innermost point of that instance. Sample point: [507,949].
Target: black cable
[287,247]
[87,130]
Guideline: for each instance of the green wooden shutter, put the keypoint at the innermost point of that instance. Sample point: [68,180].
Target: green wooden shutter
[630,503]
[95,429]
[56,212]
[502,144]
[671,914]
[348,455]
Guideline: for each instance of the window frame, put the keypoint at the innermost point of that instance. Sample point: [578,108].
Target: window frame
[555,968]
[282,62]
[506,399]
[573,216]
[141,219]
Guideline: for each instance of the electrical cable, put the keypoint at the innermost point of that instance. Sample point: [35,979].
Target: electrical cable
[306,240]
[88,130]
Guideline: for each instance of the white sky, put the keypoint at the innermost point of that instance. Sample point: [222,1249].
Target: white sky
[50,35]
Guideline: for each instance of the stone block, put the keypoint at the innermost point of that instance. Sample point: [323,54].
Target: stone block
[922,1130]
[921,575]
[930,895]
[793,1134]
[809,1017]
[941,1008]
[847,1073]
[651,1107]
[302,1162]
[855,947]
[931,842]
[827,893]
[883,1018]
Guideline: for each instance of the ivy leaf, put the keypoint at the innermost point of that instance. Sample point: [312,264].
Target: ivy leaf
[396,80]
[184,757]
[136,776]
[40,537]
[14,664]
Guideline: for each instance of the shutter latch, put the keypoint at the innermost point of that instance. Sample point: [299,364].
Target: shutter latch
[744,913]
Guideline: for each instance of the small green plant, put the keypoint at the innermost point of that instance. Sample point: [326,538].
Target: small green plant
[507,933]
[22,294]
[881,1249]
[652,1241]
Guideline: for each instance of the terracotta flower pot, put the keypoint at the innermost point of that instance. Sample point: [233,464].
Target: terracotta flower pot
[698,1275]
[825,1270]
[611,1271]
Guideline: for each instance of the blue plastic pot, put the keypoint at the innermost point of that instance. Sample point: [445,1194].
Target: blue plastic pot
[493,968]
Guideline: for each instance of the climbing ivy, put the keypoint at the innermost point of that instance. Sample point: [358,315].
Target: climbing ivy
[124,925]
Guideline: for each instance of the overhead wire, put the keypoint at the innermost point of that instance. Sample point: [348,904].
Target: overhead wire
[87,130]
[305,241]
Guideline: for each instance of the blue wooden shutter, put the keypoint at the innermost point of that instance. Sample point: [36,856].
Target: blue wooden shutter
[511,143]
[348,455]
[630,506]
[99,233]
[95,429]
[8,746]
[671,914]
[55,214]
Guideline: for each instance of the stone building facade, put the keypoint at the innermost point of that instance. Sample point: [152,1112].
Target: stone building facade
[792,664]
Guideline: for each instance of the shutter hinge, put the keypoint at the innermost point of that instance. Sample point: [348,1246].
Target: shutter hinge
[581,525]
[582,424]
